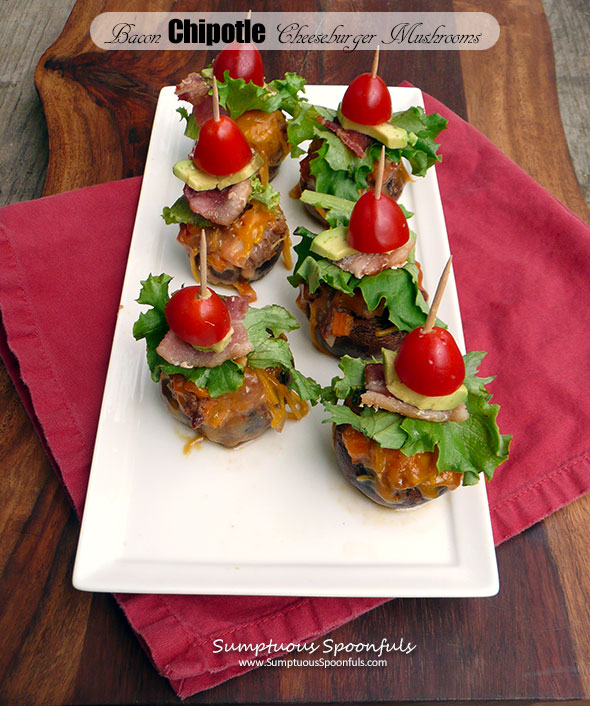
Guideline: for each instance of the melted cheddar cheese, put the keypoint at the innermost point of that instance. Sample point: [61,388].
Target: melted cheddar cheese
[266,134]
[232,245]
[261,401]
[394,472]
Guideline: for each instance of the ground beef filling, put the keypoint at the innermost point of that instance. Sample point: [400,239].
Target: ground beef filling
[341,324]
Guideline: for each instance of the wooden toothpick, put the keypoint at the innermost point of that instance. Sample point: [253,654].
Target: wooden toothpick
[375,63]
[380,170]
[431,318]
[203,265]
[215,100]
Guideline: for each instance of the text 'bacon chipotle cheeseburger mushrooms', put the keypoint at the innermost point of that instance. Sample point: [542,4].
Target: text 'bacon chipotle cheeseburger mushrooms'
[225,369]
[224,194]
[259,108]
[343,155]
[359,283]
[416,422]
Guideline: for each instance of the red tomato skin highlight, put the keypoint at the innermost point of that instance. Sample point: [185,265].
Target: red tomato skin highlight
[242,61]
[221,148]
[367,100]
[377,225]
[430,363]
[200,322]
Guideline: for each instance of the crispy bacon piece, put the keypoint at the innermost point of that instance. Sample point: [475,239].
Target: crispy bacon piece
[372,263]
[379,397]
[177,352]
[221,207]
[355,141]
[193,88]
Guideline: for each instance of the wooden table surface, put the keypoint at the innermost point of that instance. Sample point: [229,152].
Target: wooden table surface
[530,642]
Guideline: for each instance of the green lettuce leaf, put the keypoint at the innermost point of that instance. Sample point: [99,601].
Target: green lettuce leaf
[224,378]
[191,129]
[180,212]
[237,96]
[265,194]
[152,324]
[265,326]
[271,353]
[306,387]
[379,425]
[271,320]
[351,382]
[466,447]
[471,447]
[398,289]
[303,125]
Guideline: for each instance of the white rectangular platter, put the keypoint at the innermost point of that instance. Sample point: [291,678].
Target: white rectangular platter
[274,517]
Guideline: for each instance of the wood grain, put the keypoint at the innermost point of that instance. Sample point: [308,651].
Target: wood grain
[23,158]
[530,641]
[569,21]
[523,117]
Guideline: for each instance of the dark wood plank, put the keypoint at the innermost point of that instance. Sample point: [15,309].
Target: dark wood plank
[79,646]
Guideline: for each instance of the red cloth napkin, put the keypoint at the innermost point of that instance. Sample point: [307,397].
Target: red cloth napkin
[521,259]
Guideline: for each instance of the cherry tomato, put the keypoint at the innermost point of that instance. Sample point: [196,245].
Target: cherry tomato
[377,225]
[430,363]
[242,61]
[221,148]
[367,101]
[200,322]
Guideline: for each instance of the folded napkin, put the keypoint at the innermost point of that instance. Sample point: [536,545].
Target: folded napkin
[520,259]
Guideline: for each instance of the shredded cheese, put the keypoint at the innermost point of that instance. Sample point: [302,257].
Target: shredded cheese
[287,257]
[279,396]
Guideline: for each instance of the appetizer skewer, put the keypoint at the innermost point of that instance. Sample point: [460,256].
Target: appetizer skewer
[359,284]
[416,424]
[344,151]
[225,369]
[256,106]
[224,194]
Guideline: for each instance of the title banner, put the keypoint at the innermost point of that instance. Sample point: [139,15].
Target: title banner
[346,31]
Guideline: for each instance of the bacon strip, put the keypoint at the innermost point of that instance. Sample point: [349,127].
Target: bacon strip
[379,397]
[372,263]
[220,206]
[355,141]
[193,88]
[177,352]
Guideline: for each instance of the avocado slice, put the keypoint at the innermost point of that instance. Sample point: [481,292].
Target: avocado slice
[199,180]
[391,136]
[402,392]
[219,346]
[328,201]
[333,244]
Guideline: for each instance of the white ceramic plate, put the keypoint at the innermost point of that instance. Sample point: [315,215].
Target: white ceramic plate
[275,516]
